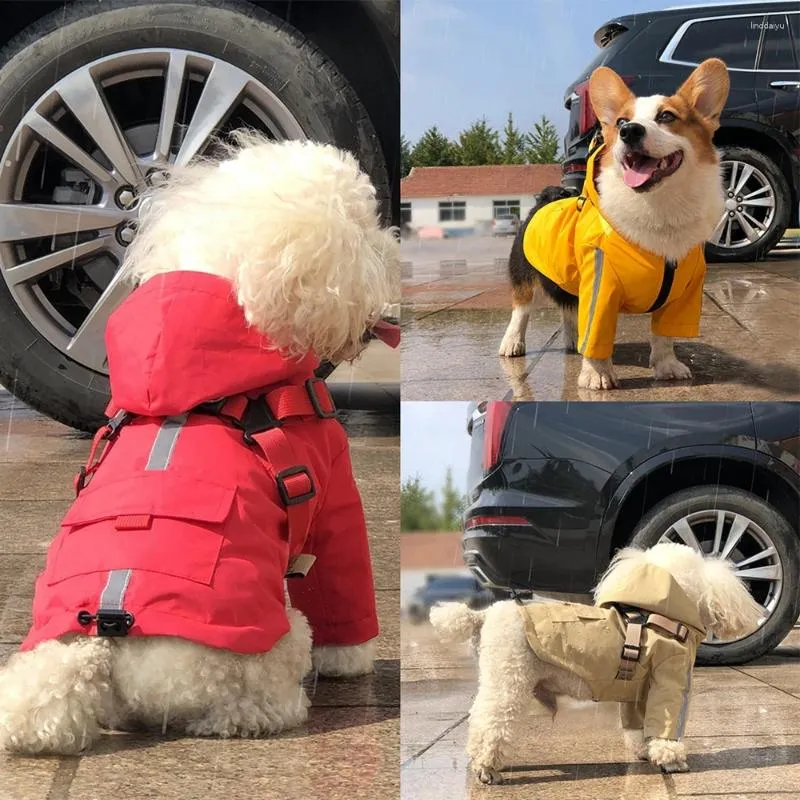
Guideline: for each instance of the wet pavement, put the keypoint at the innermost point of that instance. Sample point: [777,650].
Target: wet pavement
[456,306]
[351,738]
[743,736]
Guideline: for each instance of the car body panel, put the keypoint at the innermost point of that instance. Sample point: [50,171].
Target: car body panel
[568,469]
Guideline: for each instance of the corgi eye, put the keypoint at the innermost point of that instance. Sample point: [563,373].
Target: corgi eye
[621,121]
[666,116]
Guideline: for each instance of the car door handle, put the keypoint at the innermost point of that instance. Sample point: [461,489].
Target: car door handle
[786,86]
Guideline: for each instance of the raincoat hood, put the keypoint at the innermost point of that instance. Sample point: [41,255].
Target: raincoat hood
[654,589]
[181,339]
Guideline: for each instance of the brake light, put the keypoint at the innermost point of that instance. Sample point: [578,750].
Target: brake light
[588,119]
[498,519]
[575,166]
[496,417]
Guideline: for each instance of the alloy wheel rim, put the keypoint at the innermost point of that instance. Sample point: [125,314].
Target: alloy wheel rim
[74,168]
[735,537]
[750,205]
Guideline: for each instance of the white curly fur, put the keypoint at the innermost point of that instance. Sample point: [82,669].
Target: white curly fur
[57,698]
[510,672]
[344,662]
[294,225]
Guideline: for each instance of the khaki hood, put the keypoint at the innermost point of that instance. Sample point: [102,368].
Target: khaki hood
[654,589]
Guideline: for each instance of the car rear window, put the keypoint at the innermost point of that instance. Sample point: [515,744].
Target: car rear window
[778,49]
[733,39]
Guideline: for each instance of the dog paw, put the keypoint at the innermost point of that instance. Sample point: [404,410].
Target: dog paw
[670,369]
[678,766]
[345,661]
[597,375]
[488,776]
[510,348]
[668,754]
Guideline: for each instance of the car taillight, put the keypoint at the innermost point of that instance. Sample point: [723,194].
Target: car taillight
[496,417]
[496,519]
[575,166]
[588,119]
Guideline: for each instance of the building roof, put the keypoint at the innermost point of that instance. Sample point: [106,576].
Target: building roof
[503,179]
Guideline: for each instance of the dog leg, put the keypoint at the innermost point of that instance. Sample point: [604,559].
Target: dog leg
[665,365]
[345,661]
[55,698]
[668,754]
[505,691]
[513,343]
[569,327]
[597,373]
[631,717]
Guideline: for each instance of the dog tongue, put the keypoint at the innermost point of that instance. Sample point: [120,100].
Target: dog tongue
[637,175]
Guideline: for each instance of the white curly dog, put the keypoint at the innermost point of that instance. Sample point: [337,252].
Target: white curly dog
[294,227]
[533,657]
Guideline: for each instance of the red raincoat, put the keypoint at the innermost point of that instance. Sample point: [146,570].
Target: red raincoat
[182,525]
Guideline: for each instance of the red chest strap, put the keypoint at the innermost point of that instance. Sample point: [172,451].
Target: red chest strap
[261,420]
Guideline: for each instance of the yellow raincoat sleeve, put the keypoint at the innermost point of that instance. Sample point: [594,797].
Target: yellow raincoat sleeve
[600,299]
[668,695]
[681,316]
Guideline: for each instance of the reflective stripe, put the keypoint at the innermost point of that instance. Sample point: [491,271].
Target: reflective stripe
[113,595]
[598,274]
[116,586]
[167,435]
[684,706]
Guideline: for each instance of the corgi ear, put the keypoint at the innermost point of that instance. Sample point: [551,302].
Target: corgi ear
[707,88]
[608,94]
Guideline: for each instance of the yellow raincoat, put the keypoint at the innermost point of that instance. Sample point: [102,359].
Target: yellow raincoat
[588,640]
[569,242]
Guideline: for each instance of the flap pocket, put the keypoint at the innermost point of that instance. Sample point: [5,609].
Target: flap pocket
[158,494]
[164,523]
[572,612]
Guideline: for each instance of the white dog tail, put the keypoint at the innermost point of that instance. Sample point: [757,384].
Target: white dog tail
[54,698]
[456,622]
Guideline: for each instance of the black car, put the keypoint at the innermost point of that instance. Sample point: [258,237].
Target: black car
[557,488]
[99,98]
[447,588]
[759,128]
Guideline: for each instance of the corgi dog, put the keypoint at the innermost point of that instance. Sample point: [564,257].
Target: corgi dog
[633,241]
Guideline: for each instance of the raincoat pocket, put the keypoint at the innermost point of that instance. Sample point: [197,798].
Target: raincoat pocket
[161,522]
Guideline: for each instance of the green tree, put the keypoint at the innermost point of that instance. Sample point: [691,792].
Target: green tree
[453,504]
[434,149]
[479,144]
[542,143]
[513,143]
[418,510]
[405,157]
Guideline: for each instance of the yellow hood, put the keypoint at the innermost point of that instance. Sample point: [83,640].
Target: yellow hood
[654,589]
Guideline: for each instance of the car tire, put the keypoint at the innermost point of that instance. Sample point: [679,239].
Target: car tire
[272,52]
[653,525]
[780,220]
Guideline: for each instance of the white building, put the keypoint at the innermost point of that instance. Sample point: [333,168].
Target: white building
[466,198]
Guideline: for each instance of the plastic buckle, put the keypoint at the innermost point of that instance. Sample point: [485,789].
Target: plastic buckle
[110,621]
[631,652]
[283,489]
[682,634]
[311,385]
[114,424]
[581,202]
[258,418]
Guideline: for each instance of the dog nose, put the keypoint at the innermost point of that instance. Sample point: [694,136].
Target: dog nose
[632,133]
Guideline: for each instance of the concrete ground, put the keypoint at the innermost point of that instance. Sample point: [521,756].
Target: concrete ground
[456,305]
[743,736]
[351,739]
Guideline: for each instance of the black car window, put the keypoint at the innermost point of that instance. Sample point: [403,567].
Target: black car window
[777,48]
[734,40]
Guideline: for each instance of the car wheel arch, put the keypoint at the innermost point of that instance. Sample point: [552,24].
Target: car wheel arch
[739,467]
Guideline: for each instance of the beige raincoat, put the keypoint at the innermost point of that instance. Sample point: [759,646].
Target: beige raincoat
[588,640]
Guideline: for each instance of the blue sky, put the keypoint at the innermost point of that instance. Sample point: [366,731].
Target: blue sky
[464,59]
[434,436]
